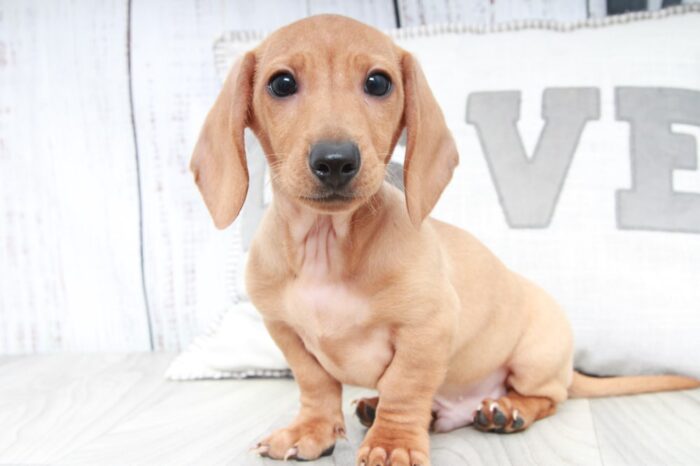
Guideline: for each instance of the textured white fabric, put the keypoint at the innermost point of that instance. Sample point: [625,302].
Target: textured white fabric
[238,346]
[632,295]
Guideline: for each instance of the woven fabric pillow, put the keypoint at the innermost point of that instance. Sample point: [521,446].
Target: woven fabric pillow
[578,168]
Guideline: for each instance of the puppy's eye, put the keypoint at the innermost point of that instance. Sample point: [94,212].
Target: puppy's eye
[282,85]
[377,84]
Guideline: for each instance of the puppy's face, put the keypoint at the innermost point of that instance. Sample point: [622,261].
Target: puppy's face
[327,97]
[328,103]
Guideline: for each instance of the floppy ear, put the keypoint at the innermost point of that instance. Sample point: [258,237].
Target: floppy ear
[431,154]
[219,162]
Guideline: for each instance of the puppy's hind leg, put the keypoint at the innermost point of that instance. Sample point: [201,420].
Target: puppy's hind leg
[540,371]
[533,393]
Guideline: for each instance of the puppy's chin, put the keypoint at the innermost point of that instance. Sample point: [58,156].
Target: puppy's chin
[329,203]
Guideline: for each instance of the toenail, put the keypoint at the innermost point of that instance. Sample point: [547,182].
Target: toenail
[499,418]
[291,454]
[481,418]
[328,451]
[518,422]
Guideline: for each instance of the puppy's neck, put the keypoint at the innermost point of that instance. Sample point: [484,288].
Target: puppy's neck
[303,222]
[319,245]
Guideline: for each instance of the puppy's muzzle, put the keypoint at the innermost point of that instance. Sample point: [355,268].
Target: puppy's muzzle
[334,163]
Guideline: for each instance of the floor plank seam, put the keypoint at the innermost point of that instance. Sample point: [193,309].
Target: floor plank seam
[595,431]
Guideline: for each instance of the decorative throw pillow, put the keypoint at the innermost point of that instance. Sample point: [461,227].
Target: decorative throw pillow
[578,168]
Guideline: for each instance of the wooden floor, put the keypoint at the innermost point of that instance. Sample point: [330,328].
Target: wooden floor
[117,409]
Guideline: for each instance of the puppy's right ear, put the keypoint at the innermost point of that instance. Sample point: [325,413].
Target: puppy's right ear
[219,161]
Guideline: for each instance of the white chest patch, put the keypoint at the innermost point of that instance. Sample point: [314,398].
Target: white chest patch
[332,317]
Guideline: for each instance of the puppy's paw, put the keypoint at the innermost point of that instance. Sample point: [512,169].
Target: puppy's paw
[384,447]
[306,439]
[500,416]
[366,410]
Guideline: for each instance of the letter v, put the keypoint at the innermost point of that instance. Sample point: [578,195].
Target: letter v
[528,188]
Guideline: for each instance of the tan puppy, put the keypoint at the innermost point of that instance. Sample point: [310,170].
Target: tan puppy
[354,283]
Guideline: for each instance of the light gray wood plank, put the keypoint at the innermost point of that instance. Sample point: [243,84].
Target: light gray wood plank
[420,12]
[69,207]
[597,8]
[378,13]
[206,422]
[654,429]
[51,405]
[116,409]
[217,422]
[486,12]
[505,11]
[4,359]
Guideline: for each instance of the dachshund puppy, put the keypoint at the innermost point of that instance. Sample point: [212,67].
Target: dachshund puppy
[355,283]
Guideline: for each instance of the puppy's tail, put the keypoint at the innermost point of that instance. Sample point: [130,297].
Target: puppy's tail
[593,387]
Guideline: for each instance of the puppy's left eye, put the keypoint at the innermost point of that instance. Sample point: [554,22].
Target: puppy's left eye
[377,84]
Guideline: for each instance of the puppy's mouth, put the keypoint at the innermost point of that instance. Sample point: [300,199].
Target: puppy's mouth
[330,197]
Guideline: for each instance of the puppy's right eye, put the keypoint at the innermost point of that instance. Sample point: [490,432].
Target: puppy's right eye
[378,84]
[282,85]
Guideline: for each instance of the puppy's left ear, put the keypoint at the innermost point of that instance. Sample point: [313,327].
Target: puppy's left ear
[219,161]
[431,154]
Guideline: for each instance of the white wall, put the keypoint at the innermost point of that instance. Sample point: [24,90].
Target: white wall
[104,242]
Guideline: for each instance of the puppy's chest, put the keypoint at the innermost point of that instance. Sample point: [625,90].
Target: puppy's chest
[335,323]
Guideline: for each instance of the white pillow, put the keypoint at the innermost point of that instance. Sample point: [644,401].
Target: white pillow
[606,217]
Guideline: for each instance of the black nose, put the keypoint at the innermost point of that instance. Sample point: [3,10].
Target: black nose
[334,163]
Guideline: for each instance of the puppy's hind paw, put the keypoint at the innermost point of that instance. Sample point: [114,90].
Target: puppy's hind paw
[499,416]
[366,410]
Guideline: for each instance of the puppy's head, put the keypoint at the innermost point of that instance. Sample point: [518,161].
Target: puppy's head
[327,97]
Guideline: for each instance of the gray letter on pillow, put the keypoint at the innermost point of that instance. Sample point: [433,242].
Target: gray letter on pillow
[651,203]
[528,188]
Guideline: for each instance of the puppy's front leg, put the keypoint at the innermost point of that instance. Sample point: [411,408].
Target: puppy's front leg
[320,421]
[399,434]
